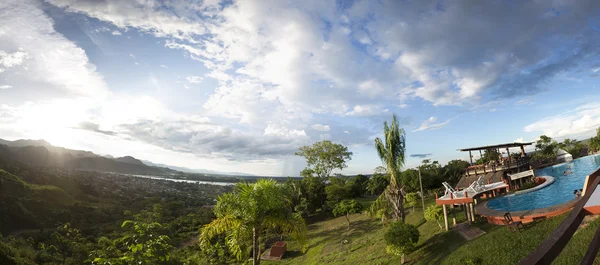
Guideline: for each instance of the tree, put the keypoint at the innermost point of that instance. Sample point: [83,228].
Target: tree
[336,191]
[572,147]
[346,208]
[358,185]
[454,170]
[434,213]
[391,153]
[411,199]
[401,239]
[313,190]
[143,243]
[488,155]
[545,149]
[67,242]
[410,180]
[595,141]
[325,156]
[378,183]
[247,213]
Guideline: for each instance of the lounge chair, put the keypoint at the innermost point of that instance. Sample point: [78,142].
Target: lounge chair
[449,189]
[512,225]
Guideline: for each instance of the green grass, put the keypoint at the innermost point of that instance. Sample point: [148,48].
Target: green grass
[331,243]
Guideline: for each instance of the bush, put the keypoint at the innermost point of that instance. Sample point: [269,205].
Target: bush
[401,237]
[434,213]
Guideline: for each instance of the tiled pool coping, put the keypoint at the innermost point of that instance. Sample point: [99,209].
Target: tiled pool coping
[496,217]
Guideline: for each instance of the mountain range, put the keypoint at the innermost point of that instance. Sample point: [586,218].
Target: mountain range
[39,153]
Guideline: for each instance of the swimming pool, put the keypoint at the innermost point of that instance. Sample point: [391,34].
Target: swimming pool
[560,191]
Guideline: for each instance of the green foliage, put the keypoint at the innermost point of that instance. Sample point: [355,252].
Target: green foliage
[410,180]
[454,170]
[325,156]
[545,150]
[313,190]
[244,216]
[402,237]
[336,191]
[358,185]
[595,141]
[572,147]
[143,243]
[377,183]
[434,213]
[347,207]
[488,155]
[411,199]
[391,152]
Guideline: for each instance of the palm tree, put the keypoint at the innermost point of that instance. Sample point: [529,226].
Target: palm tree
[248,212]
[391,153]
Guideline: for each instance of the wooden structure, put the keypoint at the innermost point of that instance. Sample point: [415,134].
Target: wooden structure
[508,163]
[548,250]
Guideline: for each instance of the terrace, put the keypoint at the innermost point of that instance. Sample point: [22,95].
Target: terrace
[502,163]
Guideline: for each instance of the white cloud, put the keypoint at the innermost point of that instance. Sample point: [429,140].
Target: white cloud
[430,124]
[5,86]
[8,60]
[320,127]
[579,121]
[194,79]
[49,60]
[163,66]
[116,33]
[366,110]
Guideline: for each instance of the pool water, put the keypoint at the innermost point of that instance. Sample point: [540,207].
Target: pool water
[560,191]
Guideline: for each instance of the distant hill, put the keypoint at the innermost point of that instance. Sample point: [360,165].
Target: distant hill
[39,153]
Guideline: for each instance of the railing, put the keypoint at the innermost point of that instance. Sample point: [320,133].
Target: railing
[524,161]
[548,250]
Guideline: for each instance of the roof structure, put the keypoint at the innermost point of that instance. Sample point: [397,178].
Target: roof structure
[498,146]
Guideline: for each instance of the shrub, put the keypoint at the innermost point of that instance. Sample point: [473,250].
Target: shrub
[401,238]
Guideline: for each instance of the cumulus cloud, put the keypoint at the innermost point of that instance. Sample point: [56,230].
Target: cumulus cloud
[320,127]
[430,124]
[581,120]
[46,58]
[5,86]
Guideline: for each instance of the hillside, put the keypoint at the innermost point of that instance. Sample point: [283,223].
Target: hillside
[39,153]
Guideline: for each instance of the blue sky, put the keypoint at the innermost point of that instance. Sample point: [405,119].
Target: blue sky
[238,86]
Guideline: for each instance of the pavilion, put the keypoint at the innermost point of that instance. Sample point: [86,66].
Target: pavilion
[486,180]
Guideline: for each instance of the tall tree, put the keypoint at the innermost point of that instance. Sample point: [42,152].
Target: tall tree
[248,212]
[595,141]
[325,156]
[391,152]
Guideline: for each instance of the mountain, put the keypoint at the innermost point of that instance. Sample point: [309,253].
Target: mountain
[129,160]
[39,153]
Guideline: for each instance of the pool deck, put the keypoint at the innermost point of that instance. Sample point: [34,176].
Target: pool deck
[496,217]
[593,204]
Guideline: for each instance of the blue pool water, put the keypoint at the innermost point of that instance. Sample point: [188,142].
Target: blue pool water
[560,191]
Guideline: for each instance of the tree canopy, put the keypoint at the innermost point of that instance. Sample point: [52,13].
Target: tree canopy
[325,156]
[245,215]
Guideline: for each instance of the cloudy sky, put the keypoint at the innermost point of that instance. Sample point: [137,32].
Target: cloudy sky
[238,86]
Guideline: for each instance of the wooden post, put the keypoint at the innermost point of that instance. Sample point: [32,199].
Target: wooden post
[472,212]
[453,216]
[445,217]
[523,151]
[471,157]
[468,212]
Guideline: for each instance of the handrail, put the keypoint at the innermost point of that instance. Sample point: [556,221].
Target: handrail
[548,250]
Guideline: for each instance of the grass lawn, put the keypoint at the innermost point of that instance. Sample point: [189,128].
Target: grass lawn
[330,242]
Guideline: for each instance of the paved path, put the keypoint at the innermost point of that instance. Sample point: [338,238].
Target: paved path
[468,232]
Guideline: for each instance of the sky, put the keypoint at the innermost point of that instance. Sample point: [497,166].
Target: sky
[238,86]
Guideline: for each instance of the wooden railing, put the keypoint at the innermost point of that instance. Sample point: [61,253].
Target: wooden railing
[548,250]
